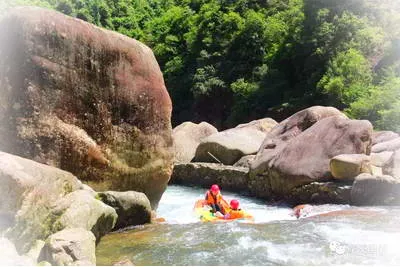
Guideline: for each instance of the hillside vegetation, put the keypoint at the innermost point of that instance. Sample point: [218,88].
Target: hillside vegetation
[231,61]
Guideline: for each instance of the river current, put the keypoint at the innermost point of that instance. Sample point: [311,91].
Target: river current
[330,234]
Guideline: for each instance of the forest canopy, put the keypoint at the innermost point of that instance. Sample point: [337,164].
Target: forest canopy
[232,61]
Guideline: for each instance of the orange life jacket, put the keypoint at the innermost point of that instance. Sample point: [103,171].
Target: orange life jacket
[211,199]
[235,214]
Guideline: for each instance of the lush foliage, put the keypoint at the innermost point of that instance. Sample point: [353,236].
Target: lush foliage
[230,61]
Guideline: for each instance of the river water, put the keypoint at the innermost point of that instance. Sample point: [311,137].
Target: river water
[330,234]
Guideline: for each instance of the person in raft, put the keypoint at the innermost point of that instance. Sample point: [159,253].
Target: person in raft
[234,212]
[215,200]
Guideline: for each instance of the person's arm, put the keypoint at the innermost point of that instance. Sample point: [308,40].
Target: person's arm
[214,208]
[224,205]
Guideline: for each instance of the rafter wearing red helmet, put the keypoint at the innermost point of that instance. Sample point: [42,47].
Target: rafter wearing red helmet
[215,200]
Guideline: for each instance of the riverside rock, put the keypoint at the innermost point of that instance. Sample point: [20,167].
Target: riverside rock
[263,125]
[348,166]
[390,145]
[205,174]
[133,208]
[229,146]
[74,246]
[375,190]
[86,100]
[392,166]
[321,193]
[298,151]
[244,161]
[383,136]
[187,136]
[45,200]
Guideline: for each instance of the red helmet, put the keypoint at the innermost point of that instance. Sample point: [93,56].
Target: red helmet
[234,204]
[214,188]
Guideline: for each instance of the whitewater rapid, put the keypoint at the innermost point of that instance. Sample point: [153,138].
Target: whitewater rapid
[331,235]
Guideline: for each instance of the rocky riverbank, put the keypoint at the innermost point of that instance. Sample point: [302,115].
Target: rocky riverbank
[317,155]
[80,103]
[49,215]
[77,102]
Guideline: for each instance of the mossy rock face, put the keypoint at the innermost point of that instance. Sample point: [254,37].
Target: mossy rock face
[84,99]
[321,193]
[205,174]
[45,200]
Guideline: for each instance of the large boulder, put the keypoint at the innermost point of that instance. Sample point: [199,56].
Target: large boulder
[86,100]
[80,209]
[229,146]
[133,208]
[348,166]
[205,174]
[45,200]
[296,124]
[263,125]
[383,136]
[70,247]
[375,190]
[301,155]
[187,136]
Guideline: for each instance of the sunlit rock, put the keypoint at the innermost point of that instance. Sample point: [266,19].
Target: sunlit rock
[187,137]
[298,151]
[348,166]
[45,200]
[229,146]
[84,99]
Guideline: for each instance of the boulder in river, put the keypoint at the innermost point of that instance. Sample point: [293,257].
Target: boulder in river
[45,200]
[187,136]
[80,209]
[133,208]
[375,190]
[229,146]
[86,100]
[300,152]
